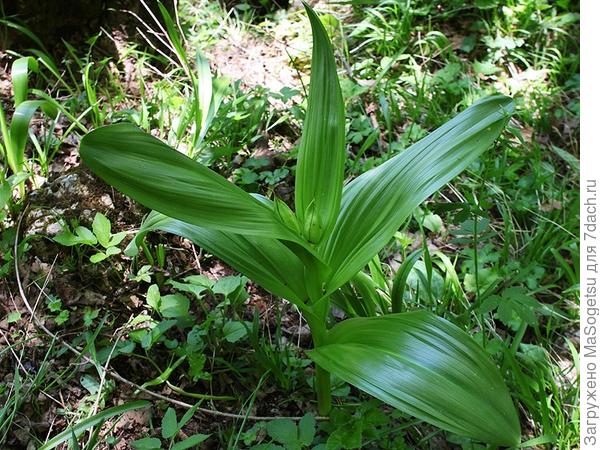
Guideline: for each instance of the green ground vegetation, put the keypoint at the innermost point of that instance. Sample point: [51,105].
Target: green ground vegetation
[495,252]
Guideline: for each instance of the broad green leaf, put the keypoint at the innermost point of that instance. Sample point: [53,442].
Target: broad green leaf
[266,261]
[153,297]
[307,429]
[174,305]
[426,367]
[513,300]
[375,204]
[194,284]
[90,383]
[227,285]
[430,221]
[110,251]
[169,426]
[101,228]
[85,236]
[66,238]
[233,331]
[82,236]
[283,431]
[13,316]
[115,239]
[320,169]
[161,178]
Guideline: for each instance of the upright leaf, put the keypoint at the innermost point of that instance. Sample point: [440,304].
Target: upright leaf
[19,129]
[400,279]
[161,178]
[20,77]
[427,367]
[204,90]
[320,169]
[169,426]
[375,204]
[101,227]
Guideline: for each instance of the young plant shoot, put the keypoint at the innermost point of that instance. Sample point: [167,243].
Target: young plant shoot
[415,361]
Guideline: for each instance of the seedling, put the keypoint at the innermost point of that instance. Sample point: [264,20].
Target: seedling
[414,361]
[170,428]
[56,308]
[100,234]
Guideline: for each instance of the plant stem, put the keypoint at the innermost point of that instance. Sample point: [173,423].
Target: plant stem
[318,327]
[322,377]
[323,388]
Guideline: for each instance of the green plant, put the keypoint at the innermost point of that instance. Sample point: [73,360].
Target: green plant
[415,361]
[71,433]
[206,92]
[289,435]
[99,234]
[24,384]
[170,428]
[14,135]
[55,306]
[144,273]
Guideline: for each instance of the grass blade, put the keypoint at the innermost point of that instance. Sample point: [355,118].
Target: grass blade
[85,424]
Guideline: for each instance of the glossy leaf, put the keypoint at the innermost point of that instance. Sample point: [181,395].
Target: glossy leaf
[161,178]
[20,77]
[320,169]
[266,261]
[375,204]
[19,129]
[427,367]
